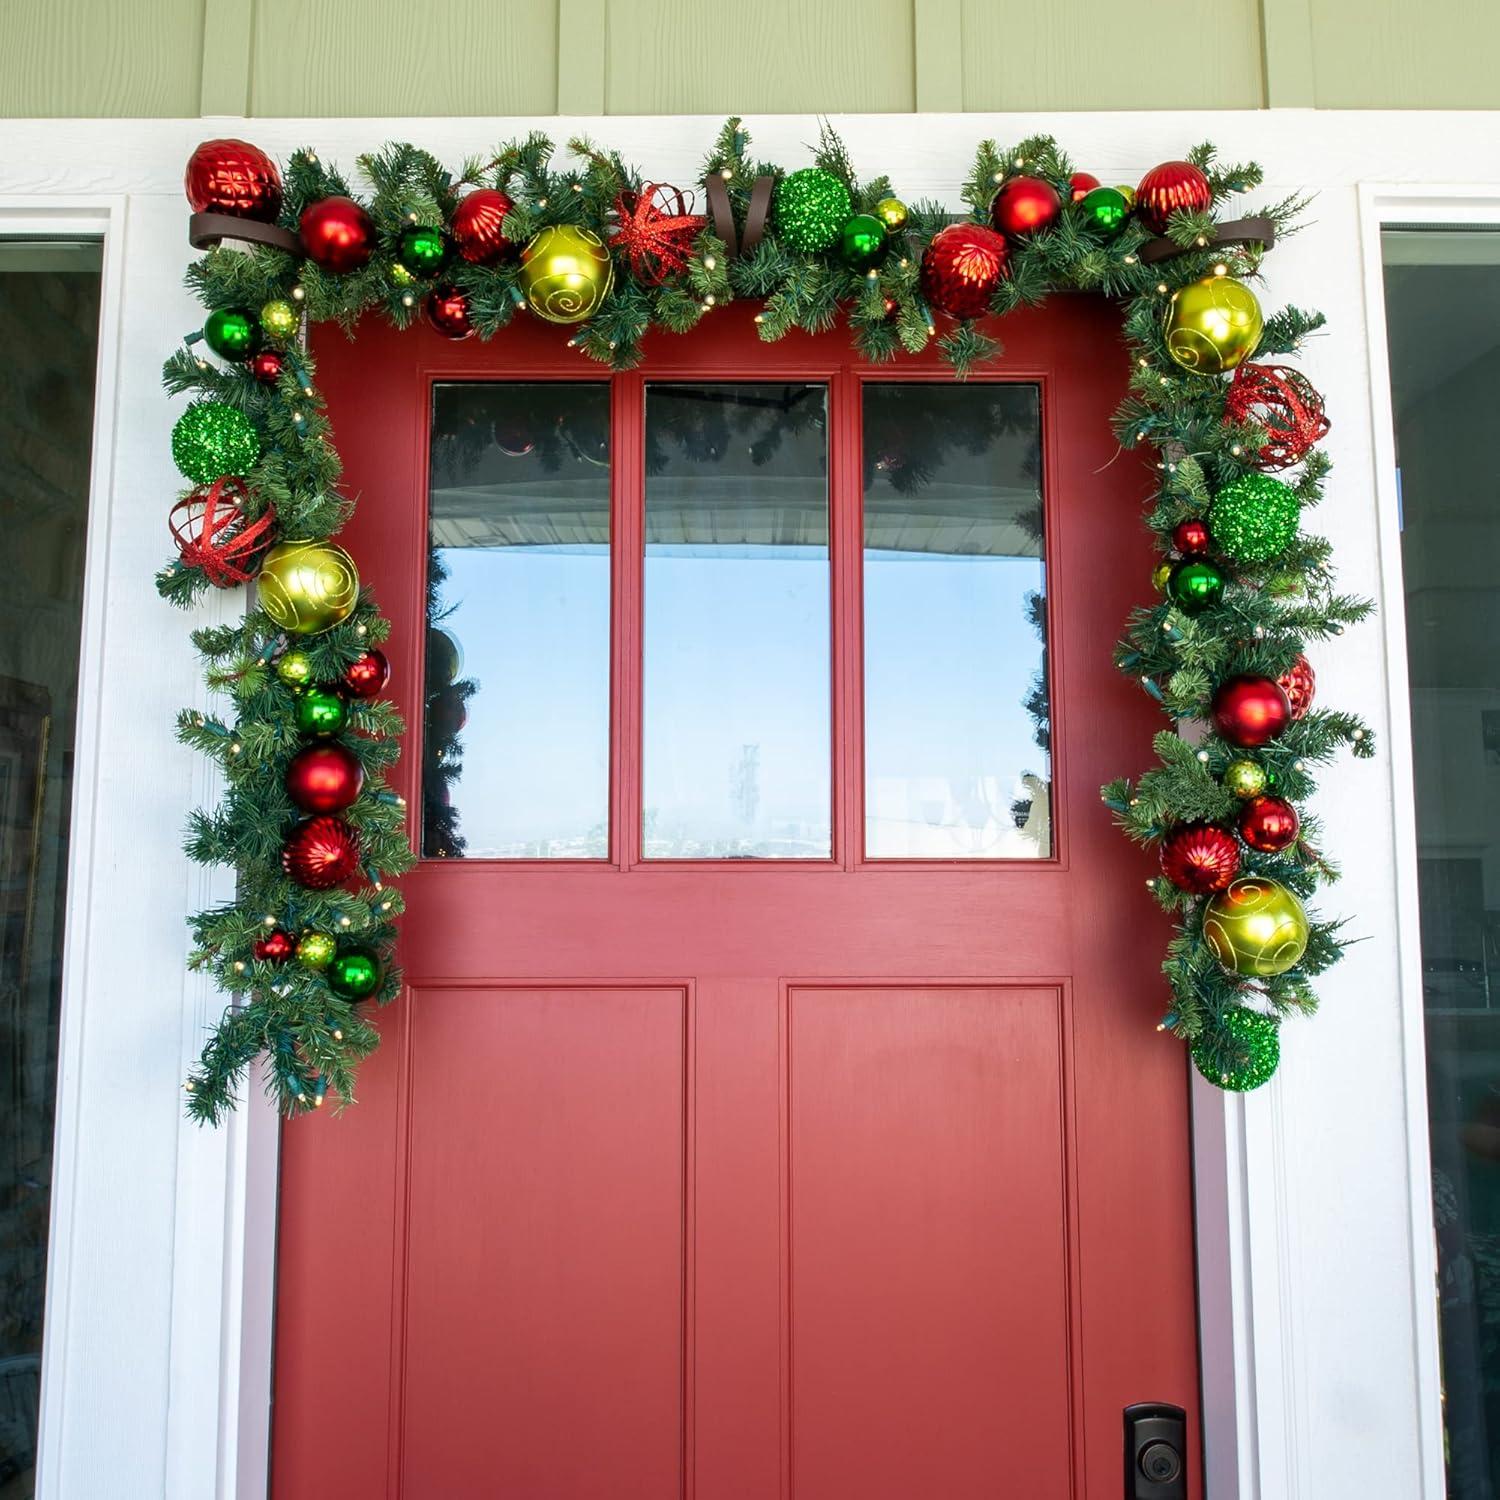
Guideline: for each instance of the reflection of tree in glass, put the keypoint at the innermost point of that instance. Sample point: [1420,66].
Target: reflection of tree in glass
[702,423]
[916,432]
[539,421]
[445,709]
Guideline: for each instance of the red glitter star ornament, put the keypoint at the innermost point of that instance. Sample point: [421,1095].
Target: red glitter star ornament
[655,229]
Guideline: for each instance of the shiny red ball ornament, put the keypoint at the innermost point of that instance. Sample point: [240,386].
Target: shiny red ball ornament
[274,948]
[1081,184]
[324,778]
[962,268]
[235,178]
[1250,711]
[1299,683]
[1200,857]
[448,312]
[321,852]
[1269,824]
[337,234]
[367,676]
[479,226]
[267,366]
[1172,186]
[1191,538]
[1023,205]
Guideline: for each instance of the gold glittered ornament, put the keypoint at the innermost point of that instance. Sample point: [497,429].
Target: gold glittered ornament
[1213,325]
[1256,927]
[279,320]
[566,273]
[892,213]
[307,587]
[1159,576]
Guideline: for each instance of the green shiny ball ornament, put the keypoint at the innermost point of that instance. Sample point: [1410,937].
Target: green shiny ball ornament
[230,333]
[1254,518]
[1244,1052]
[315,950]
[422,250]
[308,586]
[893,213]
[1105,211]
[1213,325]
[1256,927]
[354,974]
[1194,585]
[1245,778]
[862,242]
[321,712]
[294,668]
[566,272]
[213,439]
[811,207]
[280,321]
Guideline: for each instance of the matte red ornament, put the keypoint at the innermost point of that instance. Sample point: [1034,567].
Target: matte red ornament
[337,234]
[1081,184]
[448,312]
[267,366]
[1282,401]
[367,676]
[321,852]
[1200,857]
[962,268]
[1299,683]
[1023,205]
[1191,538]
[1172,186]
[655,229]
[274,948]
[235,178]
[324,778]
[1250,711]
[479,226]
[211,532]
[1269,824]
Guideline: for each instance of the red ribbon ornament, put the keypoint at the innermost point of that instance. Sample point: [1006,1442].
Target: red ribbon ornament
[212,534]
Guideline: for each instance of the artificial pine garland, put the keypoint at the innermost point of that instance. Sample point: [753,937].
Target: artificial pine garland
[817,245]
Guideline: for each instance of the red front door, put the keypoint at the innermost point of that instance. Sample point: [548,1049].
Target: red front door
[774,1111]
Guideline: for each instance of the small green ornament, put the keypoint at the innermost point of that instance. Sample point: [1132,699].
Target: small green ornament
[279,321]
[811,207]
[212,439]
[1245,778]
[1105,210]
[861,242]
[1195,584]
[1254,518]
[315,950]
[1242,1053]
[354,975]
[231,333]
[320,711]
[422,251]
[294,668]
[892,212]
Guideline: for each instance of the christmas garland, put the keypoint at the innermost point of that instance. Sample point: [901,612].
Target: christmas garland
[307,821]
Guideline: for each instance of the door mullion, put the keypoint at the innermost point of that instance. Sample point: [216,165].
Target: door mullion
[627,486]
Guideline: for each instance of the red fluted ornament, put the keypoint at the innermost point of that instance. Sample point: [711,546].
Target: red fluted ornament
[274,948]
[337,234]
[320,853]
[1285,403]
[1171,186]
[1023,205]
[267,366]
[479,226]
[962,268]
[1250,711]
[1080,185]
[1200,857]
[367,676]
[324,778]
[1269,824]
[1299,683]
[1191,538]
[235,178]
[448,312]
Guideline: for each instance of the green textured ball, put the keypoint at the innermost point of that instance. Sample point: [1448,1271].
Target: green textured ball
[1105,210]
[231,333]
[212,439]
[1254,518]
[354,975]
[321,711]
[1242,1053]
[862,242]
[1245,778]
[1194,585]
[422,251]
[812,206]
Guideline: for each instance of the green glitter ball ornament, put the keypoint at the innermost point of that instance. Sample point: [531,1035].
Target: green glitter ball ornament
[1245,778]
[212,439]
[1194,585]
[231,334]
[294,668]
[861,242]
[1244,1052]
[315,950]
[354,975]
[422,251]
[279,320]
[1105,211]
[1254,518]
[321,711]
[811,207]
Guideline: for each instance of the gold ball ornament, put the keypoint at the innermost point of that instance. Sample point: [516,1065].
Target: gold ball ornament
[1213,325]
[892,213]
[1256,927]
[280,321]
[566,273]
[1159,576]
[1128,194]
[307,587]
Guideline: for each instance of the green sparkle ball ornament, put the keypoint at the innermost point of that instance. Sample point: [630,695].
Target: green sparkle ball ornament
[1194,585]
[422,250]
[1105,211]
[1245,778]
[862,242]
[279,321]
[1256,927]
[231,333]
[1245,1053]
[811,207]
[315,950]
[294,668]
[1213,325]
[212,439]
[1254,518]
[321,712]
[354,975]
[893,213]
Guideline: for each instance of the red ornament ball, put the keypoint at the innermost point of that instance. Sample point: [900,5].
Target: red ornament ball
[447,713]
[962,268]
[448,312]
[1250,711]
[367,676]
[1299,683]
[337,234]
[1171,186]
[1023,205]
[267,366]
[1283,402]
[479,226]
[235,178]
[1269,824]
[324,778]
[212,534]
[1191,538]
[321,852]
[1081,184]
[1200,857]
[274,948]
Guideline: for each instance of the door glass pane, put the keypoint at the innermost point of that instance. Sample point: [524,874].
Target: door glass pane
[957,729]
[516,746]
[49,306]
[1443,308]
[737,675]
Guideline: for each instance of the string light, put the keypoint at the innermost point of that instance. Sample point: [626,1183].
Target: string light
[710,263]
[298,294]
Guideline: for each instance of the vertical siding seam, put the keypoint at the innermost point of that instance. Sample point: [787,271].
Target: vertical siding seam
[581,54]
[224,67]
[938,54]
[1286,50]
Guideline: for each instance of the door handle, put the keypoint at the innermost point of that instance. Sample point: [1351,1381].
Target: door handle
[1155,1451]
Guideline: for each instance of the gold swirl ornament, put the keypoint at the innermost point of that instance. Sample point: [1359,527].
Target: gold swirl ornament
[307,587]
[566,272]
[1213,325]
[1256,927]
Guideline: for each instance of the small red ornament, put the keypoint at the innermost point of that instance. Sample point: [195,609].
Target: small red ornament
[479,226]
[274,948]
[448,312]
[1023,205]
[447,713]
[324,778]
[267,366]
[1191,538]
[337,234]
[1299,683]
[367,676]
[1081,184]
[1283,401]
[235,178]
[1200,857]
[320,853]
[655,228]
[962,268]
[211,532]
[1171,186]
[1250,711]
[1269,824]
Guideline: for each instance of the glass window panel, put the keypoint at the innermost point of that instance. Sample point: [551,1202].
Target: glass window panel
[737,674]
[516,750]
[956,713]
